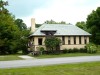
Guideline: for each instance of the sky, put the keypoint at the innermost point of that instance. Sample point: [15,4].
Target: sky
[70,11]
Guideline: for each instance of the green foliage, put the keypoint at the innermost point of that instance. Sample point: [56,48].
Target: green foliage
[41,48]
[13,32]
[83,50]
[23,41]
[20,24]
[8,30]
[93,25]
[3,10]
[38,25]
[52,43]
[75,50]
[91,48]
[54,22]
[81,25]
[65,50]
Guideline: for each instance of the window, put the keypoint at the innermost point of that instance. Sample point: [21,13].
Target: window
[69,40]
[74,39]
[85,40]
[80,40]
[63,40]
[39,41]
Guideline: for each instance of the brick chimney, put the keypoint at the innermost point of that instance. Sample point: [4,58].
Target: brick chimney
[32,25]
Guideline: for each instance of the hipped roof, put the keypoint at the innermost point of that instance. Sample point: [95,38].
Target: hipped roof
[61,30]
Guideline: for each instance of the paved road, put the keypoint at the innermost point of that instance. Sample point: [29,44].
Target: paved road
[48,61]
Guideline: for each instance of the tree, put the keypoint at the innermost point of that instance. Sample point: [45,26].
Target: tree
[91,48]
[93,25]
[2,7]
[24,33]
[81,25]
[24,41]
[41,50]
[20,24]
[52,43]
[62,22]
[8,30]
[54,22]
[38,25]
[13,33]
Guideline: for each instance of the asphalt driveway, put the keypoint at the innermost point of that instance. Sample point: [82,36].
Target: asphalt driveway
[47,61]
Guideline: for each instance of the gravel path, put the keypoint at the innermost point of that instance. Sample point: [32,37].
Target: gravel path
[47,61]
[26,57]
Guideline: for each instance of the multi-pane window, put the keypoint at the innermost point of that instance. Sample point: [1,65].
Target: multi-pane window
[69,40]
[85,40]
[39,41]
[74,39]
[80,40]
[63,40]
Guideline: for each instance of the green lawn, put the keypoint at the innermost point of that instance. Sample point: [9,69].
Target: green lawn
[15,57]
[90,68]
[67,55]
[70,54]
[9,57]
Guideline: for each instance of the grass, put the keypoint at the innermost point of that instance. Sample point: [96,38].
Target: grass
[9,57]
[98,48]
[67,55]
[90,68]
[15,57]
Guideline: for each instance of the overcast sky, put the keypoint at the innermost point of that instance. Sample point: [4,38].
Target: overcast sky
[70,11]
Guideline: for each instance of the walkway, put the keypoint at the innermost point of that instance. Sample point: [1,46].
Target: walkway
[47,61]
[26,57]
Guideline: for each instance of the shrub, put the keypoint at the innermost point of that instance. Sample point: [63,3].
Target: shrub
[35,53]
[91,48]
[41,50]
[83,50]
[52,43]
[65,50]
[70,50]
[75,50]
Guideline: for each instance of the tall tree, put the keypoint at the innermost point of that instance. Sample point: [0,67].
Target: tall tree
[81,25]
[24,33]
[21,25]
[54,22]
[93,25]
[8,30]
[2,7]
[13,33]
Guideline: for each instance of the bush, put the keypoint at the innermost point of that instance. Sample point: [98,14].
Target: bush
[91,48]
[35,53]
[52,43]
[70,50]
[75,50]
[41,50]
[83,50]
[65,50]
